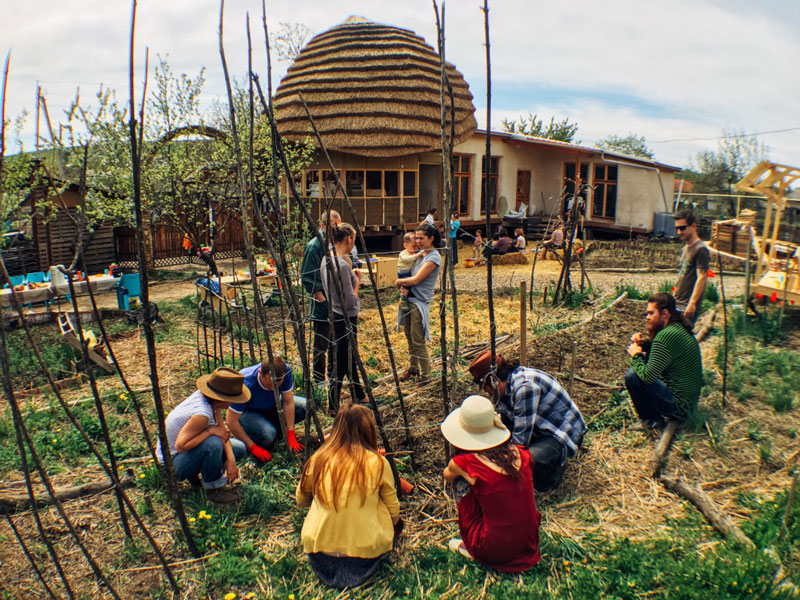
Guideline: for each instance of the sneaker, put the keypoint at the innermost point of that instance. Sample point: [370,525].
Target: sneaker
[423,381]
[223,495]
[456,545]
[408,374]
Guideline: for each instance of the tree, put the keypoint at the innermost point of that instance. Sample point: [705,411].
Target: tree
[562,131]
[713,171]
[290,39]
[631,144]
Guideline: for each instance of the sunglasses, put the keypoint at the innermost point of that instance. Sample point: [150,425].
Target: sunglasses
[681,227]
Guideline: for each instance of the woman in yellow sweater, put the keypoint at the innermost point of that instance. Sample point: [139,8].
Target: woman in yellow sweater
[349,528]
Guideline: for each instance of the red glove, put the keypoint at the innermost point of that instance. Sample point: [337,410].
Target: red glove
[293,443]
[259,452]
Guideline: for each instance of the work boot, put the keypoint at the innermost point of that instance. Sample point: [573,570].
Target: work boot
[408,374]
[223,495]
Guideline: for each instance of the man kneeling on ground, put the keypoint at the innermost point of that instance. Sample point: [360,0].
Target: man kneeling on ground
[198,439]
[666,372]
[537,410]
[256,423]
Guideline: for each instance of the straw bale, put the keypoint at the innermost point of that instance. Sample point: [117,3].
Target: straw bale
[373,90]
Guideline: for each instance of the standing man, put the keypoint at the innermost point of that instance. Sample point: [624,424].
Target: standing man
[693,271]
[312,282]
[454,225]
[666,372]
[256,423]
[537,410]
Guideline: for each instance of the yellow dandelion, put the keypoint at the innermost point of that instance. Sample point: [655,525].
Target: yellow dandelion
[141,475]
[192,519]
[201,514]
[230,596]
[250,595]
[211,544]
[291,596]
[207,516]
[55,441]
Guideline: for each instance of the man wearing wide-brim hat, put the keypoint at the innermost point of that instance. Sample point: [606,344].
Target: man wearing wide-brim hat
[200,444]
[537,410]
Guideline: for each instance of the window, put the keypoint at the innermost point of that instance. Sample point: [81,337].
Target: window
[391,183]
[312,184]
[604,198]
[493,170]
[355,183]
[461,168]
[409,183]
[570,180]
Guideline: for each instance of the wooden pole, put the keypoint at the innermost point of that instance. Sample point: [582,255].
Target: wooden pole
[572,367]
[523,325]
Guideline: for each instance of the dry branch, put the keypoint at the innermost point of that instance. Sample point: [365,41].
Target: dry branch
[661,449]
[16,503]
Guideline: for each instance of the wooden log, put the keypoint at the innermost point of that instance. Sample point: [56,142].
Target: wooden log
[12,504]
[661,449]
[719,520]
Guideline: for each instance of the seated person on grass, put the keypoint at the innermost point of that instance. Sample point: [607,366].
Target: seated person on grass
[256,422]
[666,371]
[538,411]
[493,483]
[354,514]
[519,240]
[198,439]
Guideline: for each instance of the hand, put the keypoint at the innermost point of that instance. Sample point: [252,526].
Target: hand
[293,443]
[231,471]
[259,452]
[398,284]
[220,431]
[357,273]
[637,338]
[634,349]
[691,308]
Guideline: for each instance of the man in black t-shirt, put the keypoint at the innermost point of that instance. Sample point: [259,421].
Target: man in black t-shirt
[693,271]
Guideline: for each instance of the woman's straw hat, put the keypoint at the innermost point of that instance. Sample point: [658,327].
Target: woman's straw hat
[224,384]
[475,425]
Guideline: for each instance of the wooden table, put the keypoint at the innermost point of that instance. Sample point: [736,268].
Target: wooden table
[99,283]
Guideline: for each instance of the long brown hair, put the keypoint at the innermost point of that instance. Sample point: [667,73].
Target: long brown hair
[344,456]
[504,456]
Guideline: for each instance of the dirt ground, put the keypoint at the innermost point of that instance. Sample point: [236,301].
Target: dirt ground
[605,488]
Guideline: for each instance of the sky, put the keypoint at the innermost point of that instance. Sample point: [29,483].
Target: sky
[677,72]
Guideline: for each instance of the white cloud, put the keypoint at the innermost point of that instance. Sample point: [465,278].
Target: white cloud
[682,69]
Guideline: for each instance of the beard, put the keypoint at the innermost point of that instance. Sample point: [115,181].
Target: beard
[653,328]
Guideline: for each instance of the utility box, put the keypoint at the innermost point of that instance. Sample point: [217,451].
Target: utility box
[664,224]
[385,270]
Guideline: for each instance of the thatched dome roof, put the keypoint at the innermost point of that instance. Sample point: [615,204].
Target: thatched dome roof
[373,90]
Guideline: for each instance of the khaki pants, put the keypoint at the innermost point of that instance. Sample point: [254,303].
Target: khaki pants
[415,335]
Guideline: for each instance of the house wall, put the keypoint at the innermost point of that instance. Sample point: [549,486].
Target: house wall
[639,195]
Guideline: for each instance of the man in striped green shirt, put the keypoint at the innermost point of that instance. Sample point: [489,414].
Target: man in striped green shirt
[666,373]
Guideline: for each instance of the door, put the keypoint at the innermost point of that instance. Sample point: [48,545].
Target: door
[523,189]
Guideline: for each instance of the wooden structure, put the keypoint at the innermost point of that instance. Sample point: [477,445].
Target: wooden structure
[374,93]
[734,236]
[777,261]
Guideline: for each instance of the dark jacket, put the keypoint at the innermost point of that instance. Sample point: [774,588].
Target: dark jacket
[312,281]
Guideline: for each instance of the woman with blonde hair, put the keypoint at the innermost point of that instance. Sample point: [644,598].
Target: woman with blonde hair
[493,479]
[350,526]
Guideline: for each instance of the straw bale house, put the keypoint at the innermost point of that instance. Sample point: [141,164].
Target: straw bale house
[373,91]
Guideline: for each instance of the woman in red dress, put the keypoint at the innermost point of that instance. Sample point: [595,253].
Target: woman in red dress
[493,478]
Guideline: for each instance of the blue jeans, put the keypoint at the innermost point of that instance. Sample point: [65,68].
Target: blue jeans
[264,427]
[651,401]
[206,460]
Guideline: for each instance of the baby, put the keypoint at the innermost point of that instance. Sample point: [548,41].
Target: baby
[408,256]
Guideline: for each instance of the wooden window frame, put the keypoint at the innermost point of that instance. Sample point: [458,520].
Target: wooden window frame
[461,177]
[492,175]
[600,189]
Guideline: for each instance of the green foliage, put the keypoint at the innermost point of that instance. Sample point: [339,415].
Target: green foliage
[563,131]
[711,293]
[633,292]
[631,144]
[614,413]
[713,171]
[23,364]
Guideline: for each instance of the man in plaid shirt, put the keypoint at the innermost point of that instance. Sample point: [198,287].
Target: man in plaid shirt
[537,410]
